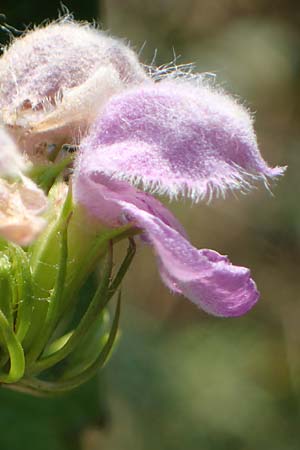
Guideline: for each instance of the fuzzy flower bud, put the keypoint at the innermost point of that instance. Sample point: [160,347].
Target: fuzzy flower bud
[55,79]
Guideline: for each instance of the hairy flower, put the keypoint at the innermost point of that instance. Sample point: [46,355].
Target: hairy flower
[55,78]
[166,133]
[174,138]
[177,138]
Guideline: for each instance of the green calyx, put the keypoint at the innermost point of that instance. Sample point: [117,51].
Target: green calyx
[55,330]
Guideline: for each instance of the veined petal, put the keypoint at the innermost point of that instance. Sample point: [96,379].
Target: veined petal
[205,277]
[177,138]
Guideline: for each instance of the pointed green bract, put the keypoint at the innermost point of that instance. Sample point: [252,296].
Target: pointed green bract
[42,352]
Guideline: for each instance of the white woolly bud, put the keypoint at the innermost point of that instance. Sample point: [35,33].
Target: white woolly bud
[54,79]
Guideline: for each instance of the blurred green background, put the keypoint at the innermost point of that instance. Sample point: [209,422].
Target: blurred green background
[180,379]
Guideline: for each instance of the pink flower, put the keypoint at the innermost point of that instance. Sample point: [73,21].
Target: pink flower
[178,138]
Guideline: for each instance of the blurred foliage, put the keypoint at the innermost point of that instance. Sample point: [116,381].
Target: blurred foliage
[181,379]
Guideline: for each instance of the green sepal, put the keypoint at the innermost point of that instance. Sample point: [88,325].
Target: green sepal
[5,288]
[95,308]
[23,303]
[45,175]
[45,260]
[15,350]
[89,348]
[123,268]
[57,344]
[94,251]
[54,301]
[39,387]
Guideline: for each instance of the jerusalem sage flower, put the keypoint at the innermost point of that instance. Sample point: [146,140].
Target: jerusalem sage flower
[177,138]
[139,135]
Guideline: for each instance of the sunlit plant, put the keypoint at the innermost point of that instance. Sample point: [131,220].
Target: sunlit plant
[136,132]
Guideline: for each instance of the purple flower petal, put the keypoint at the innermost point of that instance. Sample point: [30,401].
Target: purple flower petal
[177,138]
[205,277]
[102,197]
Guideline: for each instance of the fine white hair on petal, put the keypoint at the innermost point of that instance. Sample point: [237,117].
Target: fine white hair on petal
[78,104]
[177,138]
[183,72]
